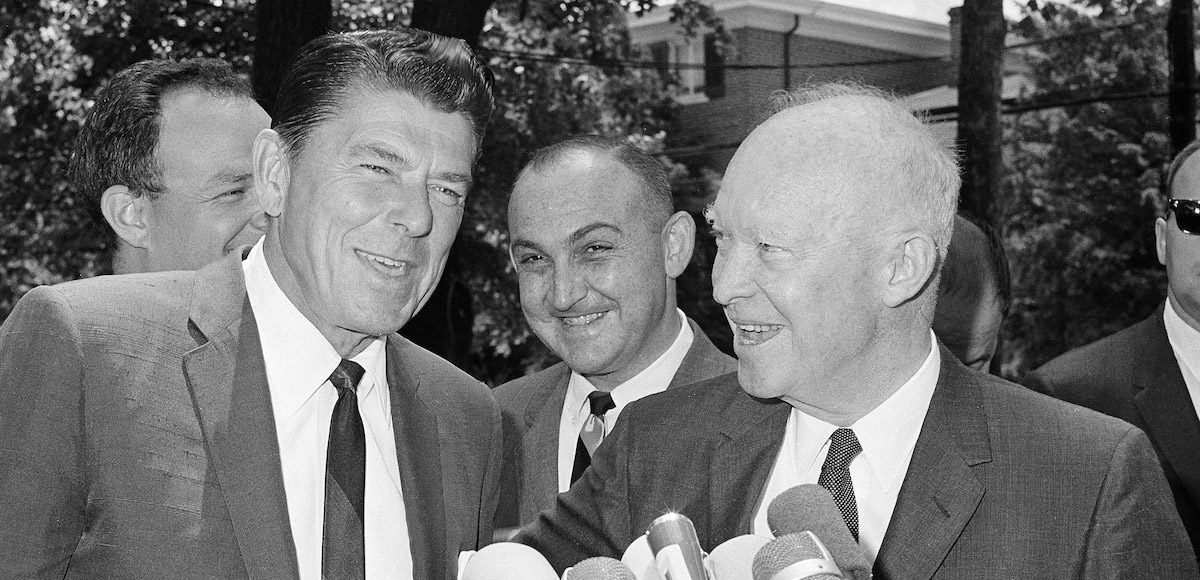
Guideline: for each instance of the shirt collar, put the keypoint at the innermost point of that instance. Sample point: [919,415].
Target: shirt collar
[1184,339]
[297,357]
[888,433]
[652,379]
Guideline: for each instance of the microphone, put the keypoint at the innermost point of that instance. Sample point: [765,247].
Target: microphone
[640,559]
[799,556]
[508,561]
[810,507]
[676,548]
[733,559]
[599,568]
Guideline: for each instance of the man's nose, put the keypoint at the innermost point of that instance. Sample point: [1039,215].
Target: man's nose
[569,287]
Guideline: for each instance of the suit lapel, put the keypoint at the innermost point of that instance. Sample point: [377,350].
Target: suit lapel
[703,360]
[940,493]
[418,452]
[738,472]
[539,447]
[1162,399]
[227,380]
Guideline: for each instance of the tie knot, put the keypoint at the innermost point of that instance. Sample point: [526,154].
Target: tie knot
[600,402]
[843,447]
[346,375]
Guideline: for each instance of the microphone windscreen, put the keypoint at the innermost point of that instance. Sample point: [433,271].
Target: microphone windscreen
[599,568]
[797,556]
[508,561]
[733,559]
[640,558]
[810,507]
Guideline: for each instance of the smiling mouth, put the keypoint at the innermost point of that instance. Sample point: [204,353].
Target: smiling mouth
[384,263]
[752,334]
[583,320]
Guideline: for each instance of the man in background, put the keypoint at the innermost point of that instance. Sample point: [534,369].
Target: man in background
[164,157]
[973,294]
[597,248]
[830,224]
[260,417]
[1148,373]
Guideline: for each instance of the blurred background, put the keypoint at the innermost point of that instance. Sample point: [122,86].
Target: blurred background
[1070,112]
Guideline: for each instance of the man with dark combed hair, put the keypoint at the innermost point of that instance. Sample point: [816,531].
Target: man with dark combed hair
[1149,374]
[261,417]
[163,159]
[973,294]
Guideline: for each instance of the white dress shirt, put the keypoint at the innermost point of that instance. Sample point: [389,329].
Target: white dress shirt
[652,379]
[887,434]
[1185,341]
[299,361]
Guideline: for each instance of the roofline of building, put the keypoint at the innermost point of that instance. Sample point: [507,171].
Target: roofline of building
[818,19]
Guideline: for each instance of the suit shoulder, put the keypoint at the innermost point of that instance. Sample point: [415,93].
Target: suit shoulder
[131,293]
[1011,406]
[1100,360]
[518,392]
[696,400]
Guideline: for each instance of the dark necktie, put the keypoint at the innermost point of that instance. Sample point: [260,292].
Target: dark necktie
[835,475]
[592,432]
[342,554]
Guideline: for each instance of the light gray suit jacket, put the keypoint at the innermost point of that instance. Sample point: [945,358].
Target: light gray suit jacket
[532,407]
[1003,483]
[137,438]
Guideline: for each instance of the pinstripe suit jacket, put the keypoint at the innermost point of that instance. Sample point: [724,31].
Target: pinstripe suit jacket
[137,439]
[532,406]
[1003,483]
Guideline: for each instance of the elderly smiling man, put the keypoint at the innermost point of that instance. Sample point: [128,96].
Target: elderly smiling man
[831,222]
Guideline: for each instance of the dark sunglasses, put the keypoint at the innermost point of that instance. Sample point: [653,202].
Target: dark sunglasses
[1187,215]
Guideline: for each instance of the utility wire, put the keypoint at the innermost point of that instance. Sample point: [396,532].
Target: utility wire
[1128,22]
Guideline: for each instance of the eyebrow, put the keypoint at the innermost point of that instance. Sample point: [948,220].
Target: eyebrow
[377,151]
[393,157]
[231,178]
[575,236]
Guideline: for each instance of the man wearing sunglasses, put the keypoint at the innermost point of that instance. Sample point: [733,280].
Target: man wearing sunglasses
[1149,373]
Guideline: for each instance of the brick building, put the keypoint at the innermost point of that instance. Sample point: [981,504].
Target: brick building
[779,44]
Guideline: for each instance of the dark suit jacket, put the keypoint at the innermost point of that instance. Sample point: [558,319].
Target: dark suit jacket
[1003,483]
[137,439]
[1133,375]
[532,406]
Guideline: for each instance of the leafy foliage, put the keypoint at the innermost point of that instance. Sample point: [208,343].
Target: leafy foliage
[1085,180]
[58,53]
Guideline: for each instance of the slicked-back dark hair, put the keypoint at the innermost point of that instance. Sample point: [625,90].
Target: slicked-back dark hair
[656,182]
[441,72]
[119,138]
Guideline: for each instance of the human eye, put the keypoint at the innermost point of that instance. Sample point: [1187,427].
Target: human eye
[376,169]
[450,195]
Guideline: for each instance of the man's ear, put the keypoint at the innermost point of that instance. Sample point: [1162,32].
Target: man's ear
[914,263]
[1160,240]
[272,173]
[128,215]
[678,239]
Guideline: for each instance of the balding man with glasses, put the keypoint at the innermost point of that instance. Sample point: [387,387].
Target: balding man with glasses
[1149,373]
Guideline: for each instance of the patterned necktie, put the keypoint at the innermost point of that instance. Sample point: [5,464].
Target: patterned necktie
[592,432]
[835,475]
[342,553]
